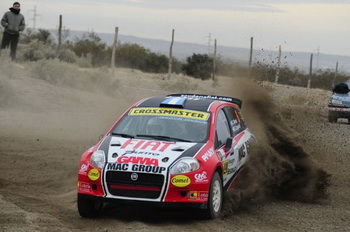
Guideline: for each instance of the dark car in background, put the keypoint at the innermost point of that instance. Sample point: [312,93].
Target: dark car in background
[339,103]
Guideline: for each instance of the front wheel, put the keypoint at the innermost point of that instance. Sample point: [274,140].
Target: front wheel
[215,197]
[88,208]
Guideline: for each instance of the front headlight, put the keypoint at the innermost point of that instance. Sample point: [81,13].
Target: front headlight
[98,159]
[336,101]
[185,165]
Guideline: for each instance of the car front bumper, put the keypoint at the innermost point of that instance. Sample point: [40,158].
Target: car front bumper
[153,188]
[339,112]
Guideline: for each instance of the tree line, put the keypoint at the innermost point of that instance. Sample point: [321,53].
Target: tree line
[90,50]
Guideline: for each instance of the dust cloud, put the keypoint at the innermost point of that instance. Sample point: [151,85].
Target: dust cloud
[48,123]
[279,167]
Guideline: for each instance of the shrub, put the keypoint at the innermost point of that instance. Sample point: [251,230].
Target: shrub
[155,63]
[41,35]
[91,43]
[64,74]
[131,56]
[67,55]
[35,50]
[199,66]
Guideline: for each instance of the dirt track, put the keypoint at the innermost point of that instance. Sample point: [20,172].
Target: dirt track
[44,129]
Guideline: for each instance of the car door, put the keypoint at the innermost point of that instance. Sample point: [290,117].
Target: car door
[222,135]
[236,157]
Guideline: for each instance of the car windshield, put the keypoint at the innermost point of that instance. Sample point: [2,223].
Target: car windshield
[164,124]
[348,83]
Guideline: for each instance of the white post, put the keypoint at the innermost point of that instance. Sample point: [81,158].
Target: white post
[250,56]
[278,65]
[310,73]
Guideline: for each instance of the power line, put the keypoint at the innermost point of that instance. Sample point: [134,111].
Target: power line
[34,17]
[209,42]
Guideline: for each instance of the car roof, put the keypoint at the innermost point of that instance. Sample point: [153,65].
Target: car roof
[191,102]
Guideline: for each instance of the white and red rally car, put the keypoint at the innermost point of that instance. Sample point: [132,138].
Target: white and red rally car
[180,148]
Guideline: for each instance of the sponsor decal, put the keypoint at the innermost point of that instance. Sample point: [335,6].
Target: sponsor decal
[228,167]
[242,152]
[84,168]
[94,174]
[203,195]
[140,153]
[208,154]
[232,170]
[201,177]
[84,187]
[144,168]
[221,154]
[212,97]
[135,168]
[117,167]
[198,195]
[137,160]
[180,181]
[236,139]
[225,168]
[193,195]
[170,112]
[159,146]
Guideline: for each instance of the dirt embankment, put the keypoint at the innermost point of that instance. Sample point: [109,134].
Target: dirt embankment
[45,127]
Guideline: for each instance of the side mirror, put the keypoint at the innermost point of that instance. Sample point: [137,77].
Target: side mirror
[228,144]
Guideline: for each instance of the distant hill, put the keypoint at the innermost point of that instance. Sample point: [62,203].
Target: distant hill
[181,50]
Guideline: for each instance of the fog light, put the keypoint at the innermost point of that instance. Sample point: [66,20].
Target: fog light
[183,193]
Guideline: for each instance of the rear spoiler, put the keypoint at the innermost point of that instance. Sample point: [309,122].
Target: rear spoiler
[236,101]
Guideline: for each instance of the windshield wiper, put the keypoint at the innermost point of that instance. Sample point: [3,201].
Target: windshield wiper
[124,135]
[164,137]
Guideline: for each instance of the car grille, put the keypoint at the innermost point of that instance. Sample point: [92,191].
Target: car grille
[146,186]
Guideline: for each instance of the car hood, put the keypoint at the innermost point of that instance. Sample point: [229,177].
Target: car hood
[155,153]
[345,98]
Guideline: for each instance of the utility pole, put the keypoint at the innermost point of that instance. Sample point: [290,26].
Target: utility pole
[59,37]
[34,17]
[209,43]
[310,72]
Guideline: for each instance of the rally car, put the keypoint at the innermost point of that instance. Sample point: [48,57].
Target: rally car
[339,103]
[180,148]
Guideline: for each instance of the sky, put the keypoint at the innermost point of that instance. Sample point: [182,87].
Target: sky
[297,25]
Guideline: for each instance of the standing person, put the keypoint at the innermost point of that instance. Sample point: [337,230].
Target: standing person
[13,22]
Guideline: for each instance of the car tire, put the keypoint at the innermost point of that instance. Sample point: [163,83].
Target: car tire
[88,208]
[215,199]
[332,119]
